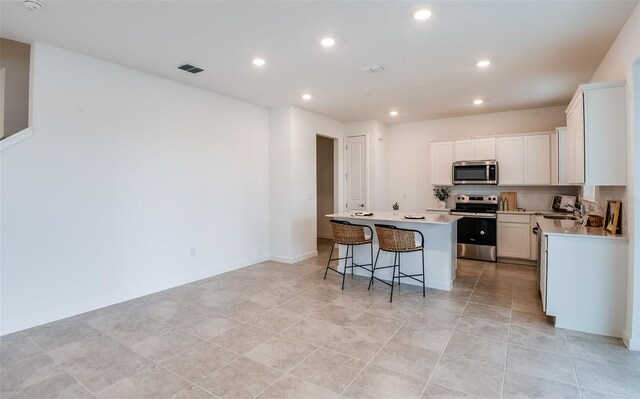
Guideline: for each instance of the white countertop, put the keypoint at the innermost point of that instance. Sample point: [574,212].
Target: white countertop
[390,217]
[574,228]
[440,209]
[534,212]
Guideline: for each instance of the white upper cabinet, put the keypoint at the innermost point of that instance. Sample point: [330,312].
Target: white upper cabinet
[475,149]
[596,150]
[485,149]
[510,156]
[464,150]
[537,159]
[441,163]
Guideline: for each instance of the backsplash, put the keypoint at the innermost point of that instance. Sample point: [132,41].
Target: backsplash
[608,193]
[536,198]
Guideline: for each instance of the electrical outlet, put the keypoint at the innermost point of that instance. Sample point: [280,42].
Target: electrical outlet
[193,252]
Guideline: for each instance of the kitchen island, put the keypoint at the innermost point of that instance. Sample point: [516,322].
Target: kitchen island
[440,247]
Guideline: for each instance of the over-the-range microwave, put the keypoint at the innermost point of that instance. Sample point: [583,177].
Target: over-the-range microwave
[475,172]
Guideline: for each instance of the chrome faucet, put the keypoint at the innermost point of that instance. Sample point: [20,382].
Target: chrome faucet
[579,208]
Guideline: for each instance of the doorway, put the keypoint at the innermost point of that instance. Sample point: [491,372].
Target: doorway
[326,193]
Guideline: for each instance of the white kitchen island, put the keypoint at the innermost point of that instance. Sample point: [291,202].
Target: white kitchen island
[440,247]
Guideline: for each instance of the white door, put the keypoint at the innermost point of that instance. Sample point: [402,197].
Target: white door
[355,168]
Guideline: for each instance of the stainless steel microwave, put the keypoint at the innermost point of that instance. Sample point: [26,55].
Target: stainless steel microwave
[475,172]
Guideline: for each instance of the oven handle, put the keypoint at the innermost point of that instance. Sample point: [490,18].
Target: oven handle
[476,215]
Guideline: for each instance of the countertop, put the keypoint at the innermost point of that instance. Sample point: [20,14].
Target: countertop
[535,212]
[573,228]
[390,217]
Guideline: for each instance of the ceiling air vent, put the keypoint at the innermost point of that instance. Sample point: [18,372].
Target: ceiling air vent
[373,69]
[190,68]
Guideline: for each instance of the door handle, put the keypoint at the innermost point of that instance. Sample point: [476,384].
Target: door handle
[361,205]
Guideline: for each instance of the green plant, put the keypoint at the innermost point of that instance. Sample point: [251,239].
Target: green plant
[396,206]
[442,193]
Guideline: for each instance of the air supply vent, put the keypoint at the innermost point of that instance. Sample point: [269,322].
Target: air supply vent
[373,69]
[190,68]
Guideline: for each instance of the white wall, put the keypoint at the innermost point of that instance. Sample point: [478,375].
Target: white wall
[618,64]
[325,177]
[293,156]
[408,157]
[124,174]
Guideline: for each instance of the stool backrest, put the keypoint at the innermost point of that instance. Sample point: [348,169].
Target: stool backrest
[345,233]
[393,239]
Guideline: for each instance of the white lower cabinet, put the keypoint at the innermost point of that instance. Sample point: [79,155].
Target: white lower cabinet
[584,283]
[514,236]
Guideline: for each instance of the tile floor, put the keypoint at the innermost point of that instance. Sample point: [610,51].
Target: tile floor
[280,331]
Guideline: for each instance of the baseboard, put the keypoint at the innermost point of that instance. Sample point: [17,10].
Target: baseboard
[74,310]
[525,262]
[294,259]
[632,343]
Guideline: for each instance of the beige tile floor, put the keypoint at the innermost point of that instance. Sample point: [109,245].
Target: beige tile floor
[280,331]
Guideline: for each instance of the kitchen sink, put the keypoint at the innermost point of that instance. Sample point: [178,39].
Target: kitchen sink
[560,217]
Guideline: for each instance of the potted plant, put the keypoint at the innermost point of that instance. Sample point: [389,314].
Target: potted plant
[396,208]
[442,193]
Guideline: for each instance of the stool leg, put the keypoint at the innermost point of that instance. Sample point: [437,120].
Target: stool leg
[399,256]
[346,260]
[373,267]
[423,276]
[393,275]
[352,251]
[329,261]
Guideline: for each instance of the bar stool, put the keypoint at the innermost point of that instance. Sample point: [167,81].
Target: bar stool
[345,233]
[397,240]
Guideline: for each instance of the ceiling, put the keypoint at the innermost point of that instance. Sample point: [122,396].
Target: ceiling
[540,50]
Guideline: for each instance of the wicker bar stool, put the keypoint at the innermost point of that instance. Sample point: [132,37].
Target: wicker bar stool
[396,240]
[345,233]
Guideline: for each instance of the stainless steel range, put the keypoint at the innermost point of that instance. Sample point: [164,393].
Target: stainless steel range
[477,231]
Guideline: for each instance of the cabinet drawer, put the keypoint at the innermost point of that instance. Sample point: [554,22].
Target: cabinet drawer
[511,218]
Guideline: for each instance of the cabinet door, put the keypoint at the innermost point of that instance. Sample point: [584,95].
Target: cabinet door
[514,240]
[575,142]
[464,150]
[485,149]
[537,159]
[533,243]
[441,163]
[605,134]
[562,155]
[543,271]
[510,160]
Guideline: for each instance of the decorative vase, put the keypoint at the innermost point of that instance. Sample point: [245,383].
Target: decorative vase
[442,204]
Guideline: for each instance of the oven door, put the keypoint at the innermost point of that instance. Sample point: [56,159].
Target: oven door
[477,236]
[475,173]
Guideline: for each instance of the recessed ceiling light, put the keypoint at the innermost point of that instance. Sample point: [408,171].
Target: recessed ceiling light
[306,96]
[393,113]
[483,63]
[327,42]
[479,101]
[33,5]
[259,61]
[421,15]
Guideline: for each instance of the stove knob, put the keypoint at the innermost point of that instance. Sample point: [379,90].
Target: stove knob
[481,232]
